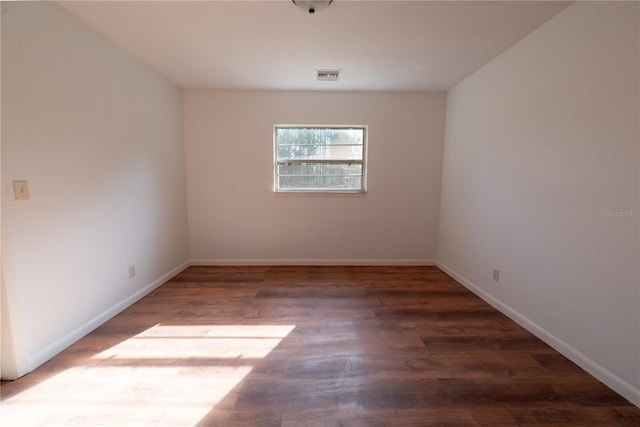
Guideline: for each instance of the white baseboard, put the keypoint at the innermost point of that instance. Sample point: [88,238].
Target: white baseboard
[346,262]
[53,349]
[619,385]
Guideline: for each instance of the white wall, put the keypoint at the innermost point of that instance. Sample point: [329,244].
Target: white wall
[98,136]
[235,217]
[541,149]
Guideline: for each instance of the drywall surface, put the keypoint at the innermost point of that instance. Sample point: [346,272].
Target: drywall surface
[540,180]
[98,138]
[235,217]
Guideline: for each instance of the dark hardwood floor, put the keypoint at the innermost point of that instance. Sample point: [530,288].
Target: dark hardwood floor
[311,346]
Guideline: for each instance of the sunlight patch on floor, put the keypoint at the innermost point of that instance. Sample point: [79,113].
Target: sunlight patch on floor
[168,375]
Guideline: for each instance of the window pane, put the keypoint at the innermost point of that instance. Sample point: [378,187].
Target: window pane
[319,158]
[310,169]
[320,152]
[319,183]
[320,176]
[319,143]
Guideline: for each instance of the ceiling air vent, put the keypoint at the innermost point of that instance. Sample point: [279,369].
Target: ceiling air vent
[328,75]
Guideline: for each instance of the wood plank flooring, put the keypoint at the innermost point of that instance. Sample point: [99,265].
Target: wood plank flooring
[311,346]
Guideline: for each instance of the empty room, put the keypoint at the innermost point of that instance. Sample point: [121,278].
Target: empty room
[320,213]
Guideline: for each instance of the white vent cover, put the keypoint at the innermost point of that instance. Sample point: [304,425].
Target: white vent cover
[328,75]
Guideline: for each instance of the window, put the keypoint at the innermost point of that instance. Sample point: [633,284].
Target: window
[320,158]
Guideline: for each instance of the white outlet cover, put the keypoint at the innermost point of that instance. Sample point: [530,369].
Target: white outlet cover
[21,190]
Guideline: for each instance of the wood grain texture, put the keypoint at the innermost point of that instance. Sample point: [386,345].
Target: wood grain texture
[312,346]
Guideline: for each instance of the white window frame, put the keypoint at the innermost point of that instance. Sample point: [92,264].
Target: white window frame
[363,161]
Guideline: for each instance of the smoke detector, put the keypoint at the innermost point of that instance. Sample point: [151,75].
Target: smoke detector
[328,75]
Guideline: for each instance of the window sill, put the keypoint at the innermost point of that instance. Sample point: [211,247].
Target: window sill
[294,193]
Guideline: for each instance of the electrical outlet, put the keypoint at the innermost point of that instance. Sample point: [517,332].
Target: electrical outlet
[20,190]
[132,271]
[496,275]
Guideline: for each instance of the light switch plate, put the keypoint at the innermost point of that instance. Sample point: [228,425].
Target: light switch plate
[21,190]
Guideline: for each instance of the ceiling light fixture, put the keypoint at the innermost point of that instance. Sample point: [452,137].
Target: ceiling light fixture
[312,6]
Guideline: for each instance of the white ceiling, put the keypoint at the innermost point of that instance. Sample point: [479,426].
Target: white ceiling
[379,45]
